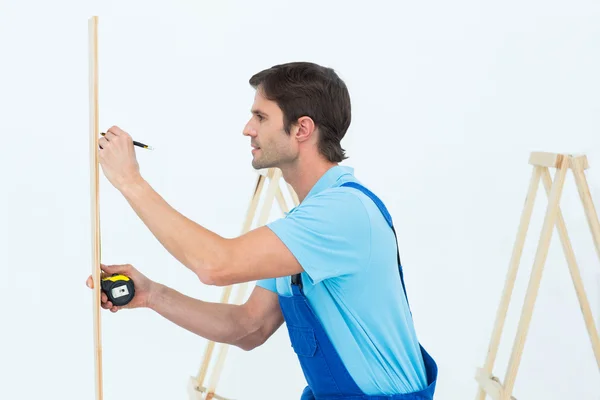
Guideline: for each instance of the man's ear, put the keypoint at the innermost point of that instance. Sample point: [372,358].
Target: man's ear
[305,128]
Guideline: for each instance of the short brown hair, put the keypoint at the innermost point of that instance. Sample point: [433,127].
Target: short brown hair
[307,89]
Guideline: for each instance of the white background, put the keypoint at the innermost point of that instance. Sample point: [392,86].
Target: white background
[448,99]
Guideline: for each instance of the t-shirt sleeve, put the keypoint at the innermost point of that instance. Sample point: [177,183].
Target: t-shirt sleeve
[329,234]
[268,284]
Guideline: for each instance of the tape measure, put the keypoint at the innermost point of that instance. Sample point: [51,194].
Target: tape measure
[118,288]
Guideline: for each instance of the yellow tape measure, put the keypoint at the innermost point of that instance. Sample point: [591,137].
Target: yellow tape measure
[118,288]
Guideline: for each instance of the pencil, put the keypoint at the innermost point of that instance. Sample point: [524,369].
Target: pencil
[145,146]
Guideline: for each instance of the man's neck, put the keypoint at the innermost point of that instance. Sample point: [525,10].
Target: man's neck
[303,178]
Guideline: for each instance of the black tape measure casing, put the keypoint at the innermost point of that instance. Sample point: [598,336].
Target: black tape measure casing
[118,288]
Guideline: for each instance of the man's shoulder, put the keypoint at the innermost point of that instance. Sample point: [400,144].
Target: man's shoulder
[337,193]
[335,202]
[332,209]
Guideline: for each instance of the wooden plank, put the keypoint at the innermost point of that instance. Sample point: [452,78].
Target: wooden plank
[94,196]
[274,176]
[196,392]
[511,275]
[588,204]
[575,274]
[264,171]
[536,275]
[252,207]
[562,162]
[273,193]
[553,160]
[488,384]
[580,162]
[543,159]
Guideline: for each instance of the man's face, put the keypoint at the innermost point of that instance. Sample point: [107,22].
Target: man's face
[271,145]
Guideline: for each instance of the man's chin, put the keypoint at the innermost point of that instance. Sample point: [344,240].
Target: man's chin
[256,164]
[262,163]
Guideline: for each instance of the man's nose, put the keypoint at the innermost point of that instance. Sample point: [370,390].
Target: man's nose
[249,130]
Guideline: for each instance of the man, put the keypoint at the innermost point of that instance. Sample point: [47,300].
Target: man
[330,269]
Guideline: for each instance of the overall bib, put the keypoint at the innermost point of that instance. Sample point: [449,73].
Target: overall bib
[325,373]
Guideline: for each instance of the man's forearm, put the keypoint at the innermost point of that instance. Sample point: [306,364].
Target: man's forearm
[219,322]
[194,246]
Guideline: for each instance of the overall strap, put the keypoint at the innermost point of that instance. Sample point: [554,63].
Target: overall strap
[388,218]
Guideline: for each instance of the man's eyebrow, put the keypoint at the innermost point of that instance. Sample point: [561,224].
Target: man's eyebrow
[257,112]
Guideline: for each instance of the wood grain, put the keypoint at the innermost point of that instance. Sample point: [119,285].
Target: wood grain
[94,197]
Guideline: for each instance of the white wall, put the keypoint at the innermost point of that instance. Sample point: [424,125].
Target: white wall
[448,98]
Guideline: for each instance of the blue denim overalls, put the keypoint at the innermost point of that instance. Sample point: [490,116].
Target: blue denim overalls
[326,375]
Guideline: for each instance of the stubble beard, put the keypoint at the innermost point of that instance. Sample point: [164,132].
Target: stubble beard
[274,155]
[263,161]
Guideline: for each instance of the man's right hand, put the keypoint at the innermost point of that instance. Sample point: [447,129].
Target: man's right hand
[144,287]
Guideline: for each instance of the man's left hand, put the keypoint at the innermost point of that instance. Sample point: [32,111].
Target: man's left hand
[117,158]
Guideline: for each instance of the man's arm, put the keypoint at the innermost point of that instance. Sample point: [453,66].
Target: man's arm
[246,326]
[259,254]
[215,260]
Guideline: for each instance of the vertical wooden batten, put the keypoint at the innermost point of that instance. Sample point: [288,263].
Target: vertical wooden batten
[94,197]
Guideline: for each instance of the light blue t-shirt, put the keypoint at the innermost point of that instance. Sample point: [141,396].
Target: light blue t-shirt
[351,281]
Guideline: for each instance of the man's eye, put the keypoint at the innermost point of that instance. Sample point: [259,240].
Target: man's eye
[260,117]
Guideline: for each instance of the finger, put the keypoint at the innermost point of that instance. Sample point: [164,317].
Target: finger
[117,269]
[104,298]
[107,269]
[102,142]
[116,131]
[114,309]
[110,136]
[90,282]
